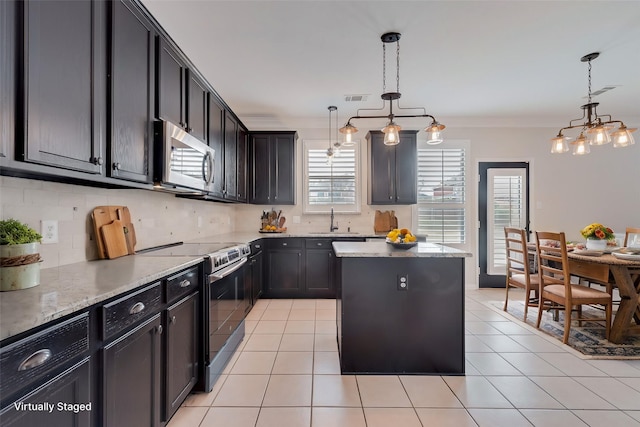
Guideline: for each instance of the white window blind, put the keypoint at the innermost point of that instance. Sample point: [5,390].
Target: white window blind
[506,208]
[441,194]
[332,184]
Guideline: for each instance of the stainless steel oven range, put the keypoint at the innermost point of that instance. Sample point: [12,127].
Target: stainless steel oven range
[226,301]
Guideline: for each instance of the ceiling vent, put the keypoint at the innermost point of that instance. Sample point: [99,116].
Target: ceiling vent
[356,98]
[601,91]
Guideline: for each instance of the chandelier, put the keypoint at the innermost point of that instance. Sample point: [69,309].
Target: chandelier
[391,130]
[598,130]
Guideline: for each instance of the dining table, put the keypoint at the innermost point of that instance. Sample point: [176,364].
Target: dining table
[623,274]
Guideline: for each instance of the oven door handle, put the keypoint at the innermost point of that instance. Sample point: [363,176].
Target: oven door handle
[226,271]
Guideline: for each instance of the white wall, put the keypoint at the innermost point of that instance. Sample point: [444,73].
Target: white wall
[567,193]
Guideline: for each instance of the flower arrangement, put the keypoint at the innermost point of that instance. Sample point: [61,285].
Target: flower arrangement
[400,235]
[597,231]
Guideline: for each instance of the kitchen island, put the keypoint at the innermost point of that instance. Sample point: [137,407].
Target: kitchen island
[400,310]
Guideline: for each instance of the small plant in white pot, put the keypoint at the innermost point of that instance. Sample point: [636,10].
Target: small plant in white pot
[19,257]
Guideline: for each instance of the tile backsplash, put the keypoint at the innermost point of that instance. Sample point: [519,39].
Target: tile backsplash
[158,217]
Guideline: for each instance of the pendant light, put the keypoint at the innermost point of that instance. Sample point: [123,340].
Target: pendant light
[598,130]
[392,129]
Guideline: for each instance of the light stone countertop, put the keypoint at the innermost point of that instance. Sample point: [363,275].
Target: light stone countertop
[383,249]
[69,288]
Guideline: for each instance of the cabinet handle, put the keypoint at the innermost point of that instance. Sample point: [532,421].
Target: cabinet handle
[35,360]
[319,244]
[136,308]
[159,329]
[284,244]
[173,320]
[97,161]
[257,246]
[185,283]
[116,166]
[390,197]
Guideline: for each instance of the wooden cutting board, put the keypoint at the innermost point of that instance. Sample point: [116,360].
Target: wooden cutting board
[115,243]
[104,215]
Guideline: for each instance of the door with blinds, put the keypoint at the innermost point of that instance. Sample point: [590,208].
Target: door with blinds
[503,201]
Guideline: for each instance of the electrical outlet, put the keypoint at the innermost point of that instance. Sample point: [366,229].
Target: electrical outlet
[403,282]
[49,231]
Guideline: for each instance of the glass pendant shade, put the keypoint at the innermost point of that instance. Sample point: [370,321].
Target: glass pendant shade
[598,135]
[580,146]
[434,133]
[391,134]
[559,144]
[622,137]
[348,142]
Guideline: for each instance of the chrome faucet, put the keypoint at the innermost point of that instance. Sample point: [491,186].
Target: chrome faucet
[333,227]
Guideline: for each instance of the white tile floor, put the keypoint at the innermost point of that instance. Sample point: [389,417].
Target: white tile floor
[286,374]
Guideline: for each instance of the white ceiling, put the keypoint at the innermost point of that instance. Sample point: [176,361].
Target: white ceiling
[469,63]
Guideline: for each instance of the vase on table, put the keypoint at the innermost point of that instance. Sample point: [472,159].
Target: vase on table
[596,244]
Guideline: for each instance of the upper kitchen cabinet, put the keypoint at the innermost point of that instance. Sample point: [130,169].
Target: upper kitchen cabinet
[64,84]
[230,157]
[132,92]
[393,169]
[7,78]
[181,95]
[216,141]
[272,168]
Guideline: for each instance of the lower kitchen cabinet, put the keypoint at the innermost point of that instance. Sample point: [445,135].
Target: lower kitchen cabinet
[319,267]
[69,393]
[132,377]
[181,352]
[256,268]
[284,268]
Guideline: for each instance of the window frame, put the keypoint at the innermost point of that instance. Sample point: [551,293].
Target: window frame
[307,208]
[466,205]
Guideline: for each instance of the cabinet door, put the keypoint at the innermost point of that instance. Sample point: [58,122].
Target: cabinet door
[256,266]
[132,379]
[406,177]
[241,165]
[71,387]
[230,156]
[283,169]
[132,53]
[319,273]
[7,78]
[181,352]
[284,269]
[381,171]
[196,107]
[170,96]
[65,84]
[216,141]
[259,170]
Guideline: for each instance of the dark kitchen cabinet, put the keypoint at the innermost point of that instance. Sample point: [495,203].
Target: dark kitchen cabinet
[216,141]
[393,170]
[196,106]
[181,95]
[285,277]
[230,157]
[319,269]
[72,387]
[256,268]
[7,78]
[171,95]
[132,92]
[272,168]
[64,88]
[181,351]
[132,377]
[241,164]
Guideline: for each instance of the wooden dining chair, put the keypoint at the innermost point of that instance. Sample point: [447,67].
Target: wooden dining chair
[518,270]
[628,233]
[555,284]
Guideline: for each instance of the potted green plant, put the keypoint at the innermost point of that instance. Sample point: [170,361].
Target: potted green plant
[19,257]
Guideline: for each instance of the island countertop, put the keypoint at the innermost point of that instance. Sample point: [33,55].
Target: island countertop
[383,249]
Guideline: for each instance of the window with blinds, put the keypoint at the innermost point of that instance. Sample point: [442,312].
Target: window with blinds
[332,184]
[441,207]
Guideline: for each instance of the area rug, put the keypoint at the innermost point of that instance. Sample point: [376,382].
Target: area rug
[588,339]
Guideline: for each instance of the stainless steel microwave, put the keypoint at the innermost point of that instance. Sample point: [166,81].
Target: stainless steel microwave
[181,162]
